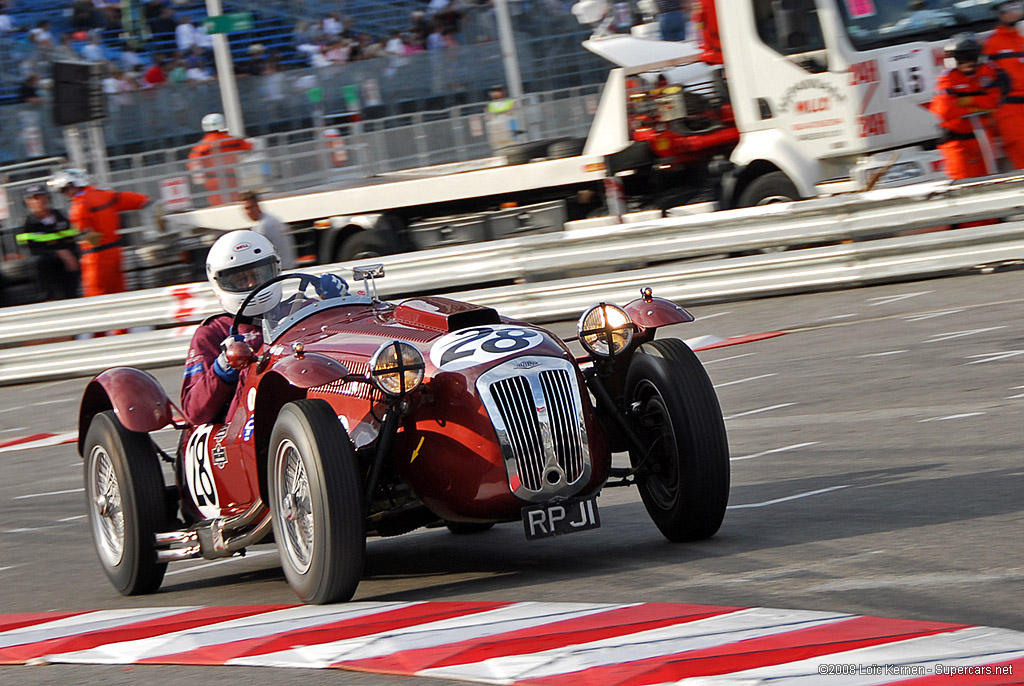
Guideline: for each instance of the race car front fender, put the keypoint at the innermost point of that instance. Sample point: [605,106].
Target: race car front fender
[650,314]
[309,370]
[135,396]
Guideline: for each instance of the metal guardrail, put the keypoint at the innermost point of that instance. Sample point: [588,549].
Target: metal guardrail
[834,242]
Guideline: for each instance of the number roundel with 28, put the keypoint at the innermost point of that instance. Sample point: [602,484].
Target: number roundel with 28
[481,345]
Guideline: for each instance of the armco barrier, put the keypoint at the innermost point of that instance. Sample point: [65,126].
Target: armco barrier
[527,276]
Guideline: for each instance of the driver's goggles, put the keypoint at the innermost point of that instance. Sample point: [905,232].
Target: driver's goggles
[246,277]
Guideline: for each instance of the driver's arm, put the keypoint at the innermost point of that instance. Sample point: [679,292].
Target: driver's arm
[205,393]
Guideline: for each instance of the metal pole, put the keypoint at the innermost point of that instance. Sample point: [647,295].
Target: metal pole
[98,147]
[509,55]
[226,76]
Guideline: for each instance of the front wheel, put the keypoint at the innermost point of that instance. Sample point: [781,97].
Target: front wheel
[768,189]
[683,472]
[124,490]
[316,502]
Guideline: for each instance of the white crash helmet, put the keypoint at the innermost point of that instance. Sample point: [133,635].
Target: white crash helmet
[214,122]
[238,262]
[68,177]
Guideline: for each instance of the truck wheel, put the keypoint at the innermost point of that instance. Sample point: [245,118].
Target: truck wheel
[317,503]
[524,152]
[683,473]
[770,188]
[570,147]
[126,502]
[360,246]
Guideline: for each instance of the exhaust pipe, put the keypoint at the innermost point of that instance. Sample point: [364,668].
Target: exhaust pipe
[215,538]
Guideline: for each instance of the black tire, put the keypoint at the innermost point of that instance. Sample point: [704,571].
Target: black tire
[126,502]
[769,188]
[684,475]
[362,245]
[320,534]
[570,147]
[521,153]
[467,528]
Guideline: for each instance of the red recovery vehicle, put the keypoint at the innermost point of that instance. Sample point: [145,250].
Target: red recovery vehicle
[360,417]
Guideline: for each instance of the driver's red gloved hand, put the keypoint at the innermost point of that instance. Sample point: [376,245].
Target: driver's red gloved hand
[221,367]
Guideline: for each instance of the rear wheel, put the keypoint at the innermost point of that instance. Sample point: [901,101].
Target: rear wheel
[127,504]
[317,503]
[683,473]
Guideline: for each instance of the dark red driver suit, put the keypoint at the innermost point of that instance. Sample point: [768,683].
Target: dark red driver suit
[204,394]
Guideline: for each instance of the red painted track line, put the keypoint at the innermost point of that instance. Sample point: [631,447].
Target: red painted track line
[617,622]
[26,439]
[147,629]
[801,644]
[388,620]
[739,340]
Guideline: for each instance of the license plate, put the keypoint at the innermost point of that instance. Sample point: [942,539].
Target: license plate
[560,517]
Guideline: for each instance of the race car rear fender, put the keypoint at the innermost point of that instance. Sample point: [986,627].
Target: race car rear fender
[137,399]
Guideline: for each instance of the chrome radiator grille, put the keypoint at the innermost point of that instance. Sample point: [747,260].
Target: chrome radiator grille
[534,404]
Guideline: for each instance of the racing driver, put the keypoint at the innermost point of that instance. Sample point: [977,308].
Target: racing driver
[238,262]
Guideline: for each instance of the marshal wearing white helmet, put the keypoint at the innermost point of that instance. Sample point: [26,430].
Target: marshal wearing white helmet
[237,263]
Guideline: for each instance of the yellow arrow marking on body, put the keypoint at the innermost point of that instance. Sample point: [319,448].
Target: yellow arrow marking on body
[417,451]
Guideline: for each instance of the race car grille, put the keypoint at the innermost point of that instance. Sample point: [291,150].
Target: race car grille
[535,406]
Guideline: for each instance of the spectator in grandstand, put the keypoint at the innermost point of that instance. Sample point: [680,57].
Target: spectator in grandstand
[84,16]
[197,72]
[93,50]
[110,10]
[302,34]
[270,226]
[165,24]
[185,34]
[419,29]
[47,235]
[130,59]
[6,23]
[41,34]
[65,50]
[179,72]
[214,159]
[28,91]
[256,65]
[339,50]
[151,10]
[156,74]
[332,25]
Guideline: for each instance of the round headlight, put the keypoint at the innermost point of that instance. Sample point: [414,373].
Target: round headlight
[397,368]
[605,330]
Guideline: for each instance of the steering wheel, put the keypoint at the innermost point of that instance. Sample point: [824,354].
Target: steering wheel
[318,283]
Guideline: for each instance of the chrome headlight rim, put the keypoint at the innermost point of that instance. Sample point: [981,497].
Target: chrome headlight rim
[605,330]
[391,362]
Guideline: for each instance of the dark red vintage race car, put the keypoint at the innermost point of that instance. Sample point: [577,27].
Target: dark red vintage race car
[360,417]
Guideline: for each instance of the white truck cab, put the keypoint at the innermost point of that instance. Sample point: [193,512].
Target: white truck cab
[828,95]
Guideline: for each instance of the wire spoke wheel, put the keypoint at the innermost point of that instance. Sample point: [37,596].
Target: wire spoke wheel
[316,500]
[126,504]
[298,523]
[106,514]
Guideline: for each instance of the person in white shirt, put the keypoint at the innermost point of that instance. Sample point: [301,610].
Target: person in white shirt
[93,50]
[185,35]
[270,226]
